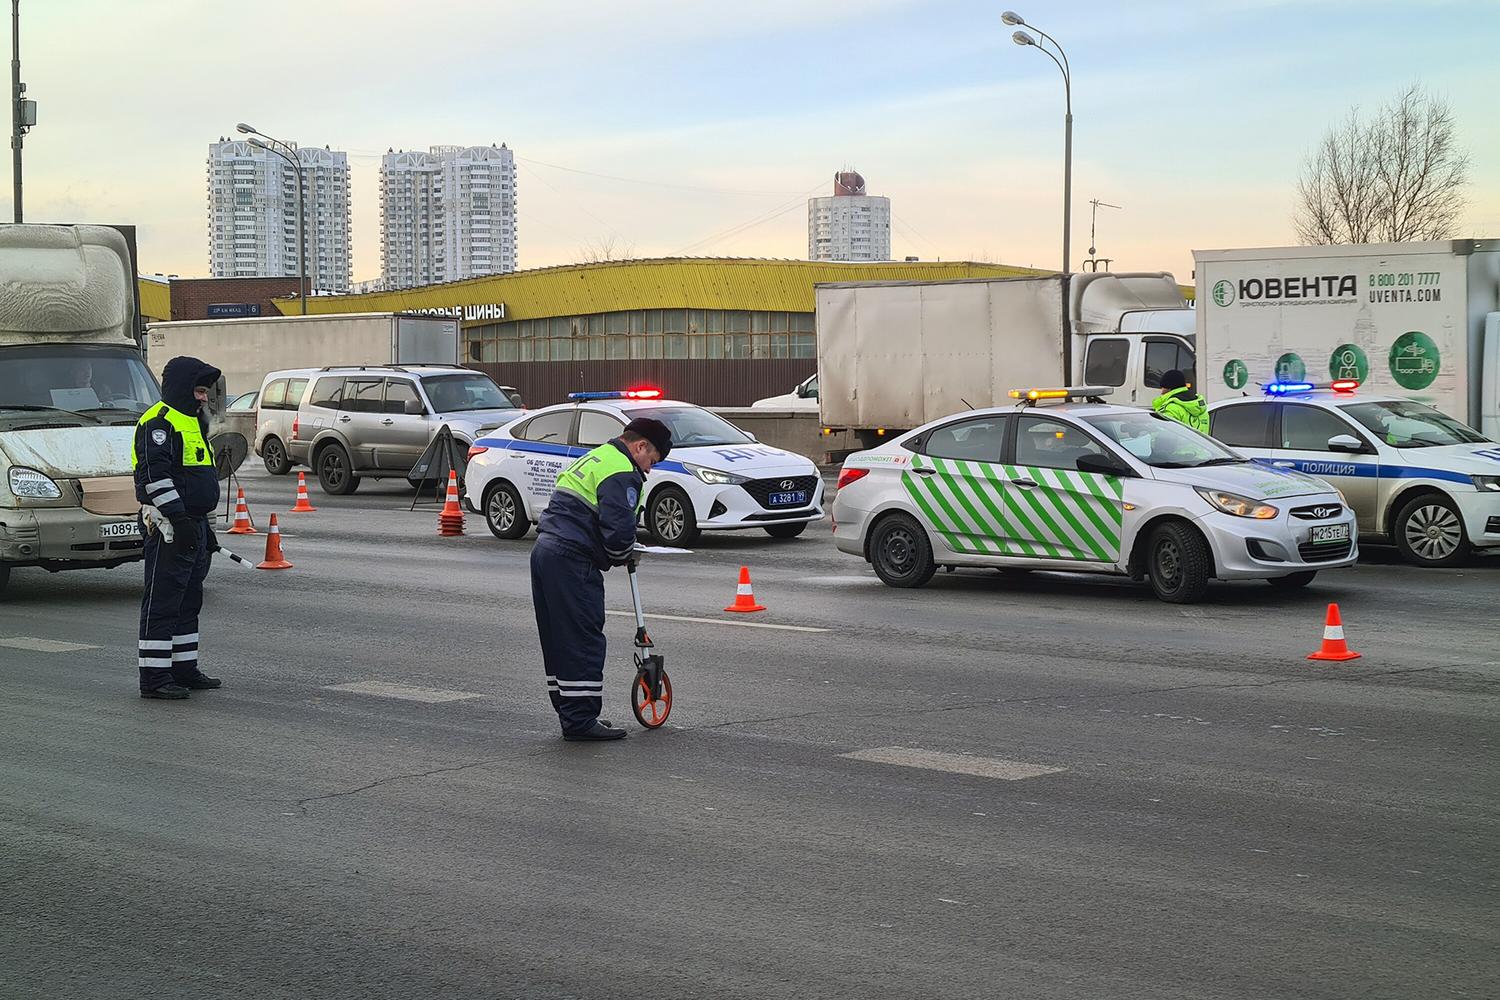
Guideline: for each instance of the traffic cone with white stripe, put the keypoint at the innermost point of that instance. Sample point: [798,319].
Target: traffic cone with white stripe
[304,506]
[744,597]
[451,520]
[242,523]
[275,559]
[1334,647]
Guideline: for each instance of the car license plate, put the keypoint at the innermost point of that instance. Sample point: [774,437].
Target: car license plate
[1325,534]
[797,499]
[122,529]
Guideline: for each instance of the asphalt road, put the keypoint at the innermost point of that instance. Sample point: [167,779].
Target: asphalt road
[1115,798]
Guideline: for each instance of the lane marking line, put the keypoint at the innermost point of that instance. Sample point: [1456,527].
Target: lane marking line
[405,692]
[32,645]
[955,763]
[723,621]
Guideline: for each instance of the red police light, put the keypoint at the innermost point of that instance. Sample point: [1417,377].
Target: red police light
[644,393]
[1344,385]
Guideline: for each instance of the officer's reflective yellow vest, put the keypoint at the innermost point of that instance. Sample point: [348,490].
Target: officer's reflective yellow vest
[195,450]
[583,477]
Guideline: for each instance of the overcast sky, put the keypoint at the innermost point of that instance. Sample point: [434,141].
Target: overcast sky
[701,128]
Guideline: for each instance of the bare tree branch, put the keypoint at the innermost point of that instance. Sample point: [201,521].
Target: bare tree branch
[1397,177]
[605,248]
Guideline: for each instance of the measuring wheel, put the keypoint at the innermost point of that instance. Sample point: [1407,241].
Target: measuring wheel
[651,695]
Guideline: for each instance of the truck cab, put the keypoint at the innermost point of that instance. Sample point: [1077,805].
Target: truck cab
[73,385]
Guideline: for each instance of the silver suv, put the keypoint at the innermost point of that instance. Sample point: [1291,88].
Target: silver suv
[376,421]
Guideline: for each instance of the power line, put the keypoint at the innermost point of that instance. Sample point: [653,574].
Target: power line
[743,227]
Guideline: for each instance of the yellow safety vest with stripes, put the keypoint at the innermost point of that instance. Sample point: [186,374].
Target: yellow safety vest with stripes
[196,451]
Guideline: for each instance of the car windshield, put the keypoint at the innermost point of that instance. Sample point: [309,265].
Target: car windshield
[1161,443]
[73,384]
[693,427]
[1402,423]
[471,391]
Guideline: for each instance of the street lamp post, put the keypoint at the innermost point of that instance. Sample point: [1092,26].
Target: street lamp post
[1013,19]
[271,145]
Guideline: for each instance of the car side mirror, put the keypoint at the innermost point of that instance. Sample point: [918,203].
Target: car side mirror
[414,408]
[1104,465]
[752,437]
[1346,443]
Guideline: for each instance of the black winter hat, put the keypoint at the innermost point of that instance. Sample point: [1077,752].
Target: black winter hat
[654,431]
[1173,379]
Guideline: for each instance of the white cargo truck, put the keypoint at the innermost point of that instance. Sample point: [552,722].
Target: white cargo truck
[896,355]
[1418,320]
[73,385]
[245,350]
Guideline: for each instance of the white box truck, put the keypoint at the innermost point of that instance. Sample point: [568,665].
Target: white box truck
[246,349]
[894,355]
[1420,320]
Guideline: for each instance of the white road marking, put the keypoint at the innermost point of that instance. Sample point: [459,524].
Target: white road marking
[32,645]
[723,621]
[406,692]
[933,760]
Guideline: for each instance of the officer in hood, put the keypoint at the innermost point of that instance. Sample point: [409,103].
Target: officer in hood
[174,472]
[1179,402]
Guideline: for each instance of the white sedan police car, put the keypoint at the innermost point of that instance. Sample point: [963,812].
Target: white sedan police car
[1085,487]
[1413,475]
[717,477]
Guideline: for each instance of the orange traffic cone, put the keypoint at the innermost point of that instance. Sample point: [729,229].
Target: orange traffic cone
[242,525]
[1334,647]
[451,520]
[274,557]
[744,597]
[303,505]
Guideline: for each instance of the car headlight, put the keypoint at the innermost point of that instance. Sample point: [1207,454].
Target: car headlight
[713,476]
[1233,503]
[1486,484]
[32,484]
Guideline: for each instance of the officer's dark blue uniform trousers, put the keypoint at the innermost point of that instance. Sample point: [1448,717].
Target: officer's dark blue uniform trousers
[568,593]
[168,650]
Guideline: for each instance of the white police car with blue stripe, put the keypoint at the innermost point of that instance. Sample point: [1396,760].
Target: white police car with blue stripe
[717,477]
[1413,475]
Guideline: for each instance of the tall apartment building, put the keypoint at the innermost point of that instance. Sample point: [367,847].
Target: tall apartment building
[252,214]
[447,214]
[850,225]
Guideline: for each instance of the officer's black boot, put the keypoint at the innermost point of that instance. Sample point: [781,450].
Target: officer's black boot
[200,682]
[161,684]
[600,730]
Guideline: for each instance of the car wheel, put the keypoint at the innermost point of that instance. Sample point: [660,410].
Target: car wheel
[786,530]
[670,519]
[273,454]
[335,474]
[1293,581]
[504,512]
[1179,563]
[1430,532]
[900,552]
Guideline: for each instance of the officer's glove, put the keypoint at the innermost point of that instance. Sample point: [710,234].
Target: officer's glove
[213,539]
[185,533]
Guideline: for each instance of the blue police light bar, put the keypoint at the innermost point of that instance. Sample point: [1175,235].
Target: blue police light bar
[583,397]
[1287,388]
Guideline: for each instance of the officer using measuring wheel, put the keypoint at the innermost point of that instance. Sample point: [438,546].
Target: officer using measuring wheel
[588,527]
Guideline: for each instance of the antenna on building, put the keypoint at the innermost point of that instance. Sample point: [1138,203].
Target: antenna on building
[1092,264]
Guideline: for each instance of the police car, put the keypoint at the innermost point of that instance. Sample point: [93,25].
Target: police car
[1085,486]
[1413,475]
[717,477]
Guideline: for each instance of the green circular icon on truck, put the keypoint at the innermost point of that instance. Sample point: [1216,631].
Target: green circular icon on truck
[1414,360]
[1290,368]
[1349,361]
[1236,374]
[1224,293]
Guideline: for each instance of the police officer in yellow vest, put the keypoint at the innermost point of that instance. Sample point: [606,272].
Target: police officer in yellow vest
[174,472]
[588,526]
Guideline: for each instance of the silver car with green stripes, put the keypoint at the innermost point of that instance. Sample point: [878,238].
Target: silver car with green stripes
[1090,487]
